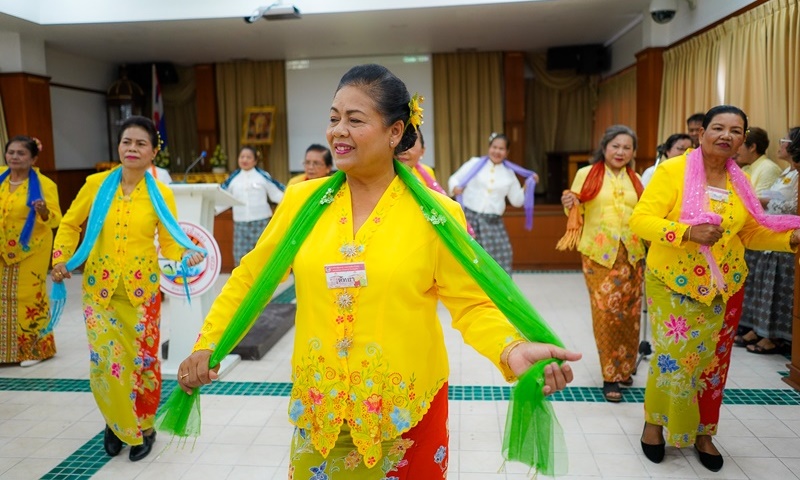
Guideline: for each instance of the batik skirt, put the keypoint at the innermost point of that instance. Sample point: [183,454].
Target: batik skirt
[124,369]
[615,295]
[245,236]
[420,453]
[25,311]
[491,234]
[692,350]
[769,294]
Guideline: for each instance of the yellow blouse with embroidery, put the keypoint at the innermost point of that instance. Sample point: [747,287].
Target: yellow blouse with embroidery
[125,249]
[372,356]
[605,219]
[297,179]
[679,264]
[14,211]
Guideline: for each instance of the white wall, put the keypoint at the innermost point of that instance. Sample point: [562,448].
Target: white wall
[310,85]
[78,109]
[686,22]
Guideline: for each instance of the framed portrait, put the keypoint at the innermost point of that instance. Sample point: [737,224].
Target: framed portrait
[259,125]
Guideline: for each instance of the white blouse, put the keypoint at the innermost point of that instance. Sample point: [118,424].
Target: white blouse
[487,191]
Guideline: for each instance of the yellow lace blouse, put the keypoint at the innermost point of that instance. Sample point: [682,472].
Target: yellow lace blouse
[125,250]
[679,264]
[372,356]
[605,219]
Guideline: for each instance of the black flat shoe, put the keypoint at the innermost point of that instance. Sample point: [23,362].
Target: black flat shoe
[138,452]
[654,453]
[711,462]
[111,442]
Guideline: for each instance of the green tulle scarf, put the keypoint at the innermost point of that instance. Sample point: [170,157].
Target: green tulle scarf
[532,435]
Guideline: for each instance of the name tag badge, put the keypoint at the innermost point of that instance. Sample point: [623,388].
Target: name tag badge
[717,194]
[346,275]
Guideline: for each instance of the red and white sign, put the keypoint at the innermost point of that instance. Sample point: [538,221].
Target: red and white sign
[200,277]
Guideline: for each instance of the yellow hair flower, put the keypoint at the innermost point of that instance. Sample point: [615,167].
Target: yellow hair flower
[415,118]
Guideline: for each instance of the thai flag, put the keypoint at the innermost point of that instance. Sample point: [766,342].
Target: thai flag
[158,109]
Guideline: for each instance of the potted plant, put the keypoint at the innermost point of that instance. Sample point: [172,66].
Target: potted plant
[219,160]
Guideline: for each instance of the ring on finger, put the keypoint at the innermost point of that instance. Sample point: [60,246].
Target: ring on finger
[184,376]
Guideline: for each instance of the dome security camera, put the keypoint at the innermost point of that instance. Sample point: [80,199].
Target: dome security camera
[663,11]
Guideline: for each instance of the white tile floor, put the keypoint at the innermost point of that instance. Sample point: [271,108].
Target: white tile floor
[248,437]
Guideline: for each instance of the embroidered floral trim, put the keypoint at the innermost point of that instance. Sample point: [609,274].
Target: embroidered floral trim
[327,198]
[434,217]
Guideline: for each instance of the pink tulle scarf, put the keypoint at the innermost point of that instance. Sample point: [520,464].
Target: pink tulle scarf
[695,207]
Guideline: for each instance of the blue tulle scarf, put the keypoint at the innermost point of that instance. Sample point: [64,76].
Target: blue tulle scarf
[34,194]
[97,216]
[261,172]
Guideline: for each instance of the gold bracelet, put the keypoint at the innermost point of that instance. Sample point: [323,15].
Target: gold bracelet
[507,352]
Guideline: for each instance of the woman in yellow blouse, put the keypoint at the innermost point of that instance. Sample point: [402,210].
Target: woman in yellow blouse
[29,212]
[121,298]
[605,193]
[369,367]
[699,213]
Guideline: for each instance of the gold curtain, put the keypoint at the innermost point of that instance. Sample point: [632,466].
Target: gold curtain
[616,103]
[180,113]
[751,61]
[759,59]
[559,107]
[689,82]
[468,100]
[251,84]
[3,127]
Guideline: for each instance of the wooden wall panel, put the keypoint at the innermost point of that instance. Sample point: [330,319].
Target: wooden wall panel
[514,103]
[649,70]
[223,234]
[26,104]
[206,103]
[536,250]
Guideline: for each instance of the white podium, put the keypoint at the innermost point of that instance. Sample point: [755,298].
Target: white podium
[196,204]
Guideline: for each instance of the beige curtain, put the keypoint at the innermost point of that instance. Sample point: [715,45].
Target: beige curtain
[751,61]
[760,67]
[180,113]
[252,84]
[689,82]
[559,111]
[3,127]
[616,103]
[468,100]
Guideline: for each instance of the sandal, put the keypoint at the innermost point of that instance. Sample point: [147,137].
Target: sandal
[749,338]
[628,382]
[766,347]
[611,392]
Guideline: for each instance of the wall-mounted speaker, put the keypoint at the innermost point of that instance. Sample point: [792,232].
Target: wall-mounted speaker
[584,59]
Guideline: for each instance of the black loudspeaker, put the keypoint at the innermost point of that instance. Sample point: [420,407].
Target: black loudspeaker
[584,59]
[142,73]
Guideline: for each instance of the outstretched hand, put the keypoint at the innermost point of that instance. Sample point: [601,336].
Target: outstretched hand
[193,258]
[556,377]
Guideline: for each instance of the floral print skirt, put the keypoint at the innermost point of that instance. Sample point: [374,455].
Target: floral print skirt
[124,369]
[689,366]
[615,295]
[24,311]
[420,453]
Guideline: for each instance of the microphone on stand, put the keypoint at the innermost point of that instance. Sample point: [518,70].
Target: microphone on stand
[193,164]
